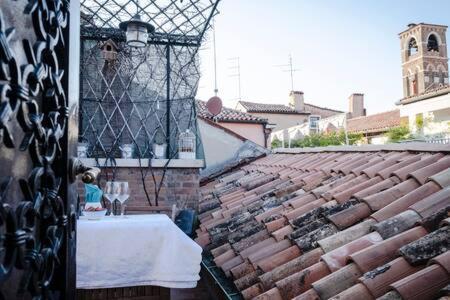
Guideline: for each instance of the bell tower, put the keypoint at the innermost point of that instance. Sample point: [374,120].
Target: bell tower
[424,58]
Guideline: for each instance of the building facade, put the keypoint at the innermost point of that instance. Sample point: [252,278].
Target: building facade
[426,90]
[424,58]
[281,116]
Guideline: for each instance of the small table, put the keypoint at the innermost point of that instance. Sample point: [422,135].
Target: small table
[136,250]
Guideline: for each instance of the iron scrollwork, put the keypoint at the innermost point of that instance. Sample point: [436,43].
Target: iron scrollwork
[33,96]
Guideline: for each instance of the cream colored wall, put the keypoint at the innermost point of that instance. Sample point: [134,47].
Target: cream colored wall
[218,145]
[283,121]
[379,140]
[288,134]
[251,131]
[436,115]
[336,120]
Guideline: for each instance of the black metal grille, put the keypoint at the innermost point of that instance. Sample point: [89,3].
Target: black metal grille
[173,19]
[126,100]
[146,95]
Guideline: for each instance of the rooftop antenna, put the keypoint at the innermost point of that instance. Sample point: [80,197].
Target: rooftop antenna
[237,68]
[214,104]
[291,70]
[216,90]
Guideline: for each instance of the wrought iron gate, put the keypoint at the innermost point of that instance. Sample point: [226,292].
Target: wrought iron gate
[37,207]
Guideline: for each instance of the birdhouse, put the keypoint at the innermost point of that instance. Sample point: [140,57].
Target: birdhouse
[186,145]
[109,50]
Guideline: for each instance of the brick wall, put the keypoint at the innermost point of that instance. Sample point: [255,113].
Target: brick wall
[180,186]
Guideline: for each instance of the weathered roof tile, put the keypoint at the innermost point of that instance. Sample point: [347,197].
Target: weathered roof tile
[309,224]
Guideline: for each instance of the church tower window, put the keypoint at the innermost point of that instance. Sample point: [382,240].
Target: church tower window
[432,44]
[412,47]
[424,58]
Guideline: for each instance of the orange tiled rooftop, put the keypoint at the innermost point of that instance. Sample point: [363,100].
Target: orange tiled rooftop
[341,223]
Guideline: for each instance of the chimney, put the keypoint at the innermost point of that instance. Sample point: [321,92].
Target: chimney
[296,101]
[356,105]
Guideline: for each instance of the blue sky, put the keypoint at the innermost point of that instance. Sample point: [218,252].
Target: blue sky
[339,47]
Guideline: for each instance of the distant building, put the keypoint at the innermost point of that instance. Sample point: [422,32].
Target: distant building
[355,121]
[282,116]
[426,90]
[249,126]
[230,136]
[374,127]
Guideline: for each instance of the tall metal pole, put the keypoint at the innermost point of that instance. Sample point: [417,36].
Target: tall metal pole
[237,67]
[239,77]
[216,90]
[292,73]
[291,70]
[168,70]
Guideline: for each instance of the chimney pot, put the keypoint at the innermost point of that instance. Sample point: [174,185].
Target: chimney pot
[356,105]
[296,101]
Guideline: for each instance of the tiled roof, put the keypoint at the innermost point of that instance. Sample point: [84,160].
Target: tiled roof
[227,115]
[375,123]
[439,91]
[340,224]
[283,109]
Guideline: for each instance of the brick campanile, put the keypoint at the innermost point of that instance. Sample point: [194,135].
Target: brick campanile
[424,58]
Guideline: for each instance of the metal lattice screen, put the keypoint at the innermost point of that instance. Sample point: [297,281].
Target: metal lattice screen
[146,95]
[178,20]
[125,100]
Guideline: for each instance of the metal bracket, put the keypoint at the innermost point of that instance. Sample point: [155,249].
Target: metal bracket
[76,167]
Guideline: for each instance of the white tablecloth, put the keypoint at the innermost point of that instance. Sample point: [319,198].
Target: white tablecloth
[133,251]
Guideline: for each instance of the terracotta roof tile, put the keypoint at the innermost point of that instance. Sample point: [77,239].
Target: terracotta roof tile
[380,122]
[357,291]
[338,258]
[378,280]
[423,174]
[300,282]
[252,291]
[310,294]
[278,259]
[379,200]
[296,226]
[284,109]
[443,260]
[381,253]
[424,284]
[432,203]
[337,281]
[227,115]
[406,201]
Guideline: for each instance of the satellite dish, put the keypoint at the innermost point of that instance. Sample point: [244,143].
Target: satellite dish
[214,105]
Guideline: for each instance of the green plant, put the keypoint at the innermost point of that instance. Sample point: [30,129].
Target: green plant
[399,133]
[326,139]
[419,121]
[276,143]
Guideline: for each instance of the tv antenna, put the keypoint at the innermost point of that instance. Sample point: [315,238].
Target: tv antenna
[290,69]
[237,68]
[214,104]
[216,90]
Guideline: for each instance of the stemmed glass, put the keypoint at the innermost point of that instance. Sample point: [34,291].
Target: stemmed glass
[124,194]
[111,193]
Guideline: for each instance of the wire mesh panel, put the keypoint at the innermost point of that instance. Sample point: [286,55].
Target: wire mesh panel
[140,96]
[174,19]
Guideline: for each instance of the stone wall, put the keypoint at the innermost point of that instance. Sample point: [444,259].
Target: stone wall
[180,186]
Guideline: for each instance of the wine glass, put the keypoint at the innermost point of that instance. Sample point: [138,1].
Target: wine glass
[111,193]
[124,194]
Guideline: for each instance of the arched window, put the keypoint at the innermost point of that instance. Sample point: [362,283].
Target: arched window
[432,44]
[412,47]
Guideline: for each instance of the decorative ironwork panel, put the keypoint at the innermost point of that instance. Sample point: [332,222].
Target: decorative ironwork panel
[36,221]
[141,96]
[179,20]
[136,96]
